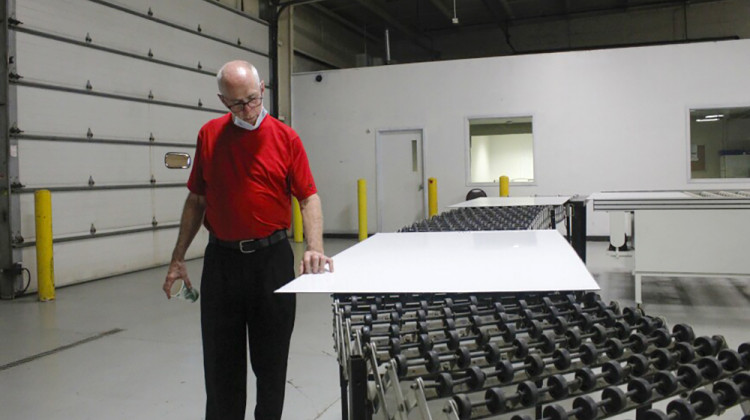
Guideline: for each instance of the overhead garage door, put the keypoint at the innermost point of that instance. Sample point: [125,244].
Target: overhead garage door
[103,89]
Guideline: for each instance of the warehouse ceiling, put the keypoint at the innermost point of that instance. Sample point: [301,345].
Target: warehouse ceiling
[420,22]
[425,17]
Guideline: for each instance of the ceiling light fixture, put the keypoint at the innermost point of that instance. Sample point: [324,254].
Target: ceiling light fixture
[455,18]
[706,119]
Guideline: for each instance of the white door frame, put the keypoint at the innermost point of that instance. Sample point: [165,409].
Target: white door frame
[379,169]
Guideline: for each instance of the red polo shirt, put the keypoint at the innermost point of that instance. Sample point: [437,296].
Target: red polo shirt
[248,177]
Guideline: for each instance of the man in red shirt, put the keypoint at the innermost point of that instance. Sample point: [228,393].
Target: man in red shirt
[247,166]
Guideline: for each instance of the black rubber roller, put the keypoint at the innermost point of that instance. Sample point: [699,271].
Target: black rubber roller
[663,358]
[555,412]
[464,405]
[682,408]
[744,351]
[403,364]
[533,365]
[613,400]
[423,345]
[709,346]
[494,399]
[730,360]
[474,379]
[597,333]
[728,392]
[680,332]
[563,358]
[704,403]
[612,372]
[743,381]
[490,353]
[710,367]
[448,324]
[666,383]
[585,408]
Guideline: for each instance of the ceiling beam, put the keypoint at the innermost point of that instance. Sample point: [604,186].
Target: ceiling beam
[344,22]
[502,20]
[565,6]
[508,10]
[413,36]
[492,7]
[445,10]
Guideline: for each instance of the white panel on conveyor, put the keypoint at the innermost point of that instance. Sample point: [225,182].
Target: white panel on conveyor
[453,262]
[664,200]
[513,201]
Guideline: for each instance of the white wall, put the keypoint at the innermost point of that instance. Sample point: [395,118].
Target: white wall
[603,120]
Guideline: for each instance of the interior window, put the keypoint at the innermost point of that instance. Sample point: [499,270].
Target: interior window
[501,146]
[720,143]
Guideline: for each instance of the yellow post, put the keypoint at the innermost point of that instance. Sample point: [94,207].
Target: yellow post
[297,220]
[504,186]
[362,208]
[432,197]
[45,264]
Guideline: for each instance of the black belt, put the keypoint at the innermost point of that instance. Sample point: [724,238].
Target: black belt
[249,246]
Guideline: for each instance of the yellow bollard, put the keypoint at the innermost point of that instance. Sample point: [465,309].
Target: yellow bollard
[504,186]
[432,197]
[297,221]
[362,208]
[45,264]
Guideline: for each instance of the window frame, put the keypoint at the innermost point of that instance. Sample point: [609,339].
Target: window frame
[467,149]
[689,144]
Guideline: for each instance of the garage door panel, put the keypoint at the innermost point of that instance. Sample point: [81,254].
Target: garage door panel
[46,60]
[74,212]
[214,20]
[115,254]
[111,28]
[168,203]
[55,164]
[42,111]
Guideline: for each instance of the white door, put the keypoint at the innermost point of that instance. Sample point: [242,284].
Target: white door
[400,190]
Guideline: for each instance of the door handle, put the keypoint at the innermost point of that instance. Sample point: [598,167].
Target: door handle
[421,187]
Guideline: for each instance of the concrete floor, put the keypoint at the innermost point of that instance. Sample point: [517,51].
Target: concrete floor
[143,354]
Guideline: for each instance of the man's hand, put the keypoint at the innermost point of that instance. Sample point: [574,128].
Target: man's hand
[314,262]
[177,271]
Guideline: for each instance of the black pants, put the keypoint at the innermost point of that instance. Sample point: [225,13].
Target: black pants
[238,306]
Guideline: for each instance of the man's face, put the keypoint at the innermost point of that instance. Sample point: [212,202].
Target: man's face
[244,100]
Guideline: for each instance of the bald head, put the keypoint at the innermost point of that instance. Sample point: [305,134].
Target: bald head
[237,74]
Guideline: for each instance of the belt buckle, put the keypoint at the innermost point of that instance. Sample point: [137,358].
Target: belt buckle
[242,246]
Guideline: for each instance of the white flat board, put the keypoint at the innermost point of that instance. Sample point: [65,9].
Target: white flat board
[513,201]
[452,262]
[670,200]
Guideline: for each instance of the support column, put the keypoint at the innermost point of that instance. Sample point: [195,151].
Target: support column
[9,206]
[283,76]
[578,225]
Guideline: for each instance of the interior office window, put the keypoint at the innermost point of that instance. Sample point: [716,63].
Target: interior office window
[501,146]
[720,143]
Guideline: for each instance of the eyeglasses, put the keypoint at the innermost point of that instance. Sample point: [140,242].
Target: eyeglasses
[239,106]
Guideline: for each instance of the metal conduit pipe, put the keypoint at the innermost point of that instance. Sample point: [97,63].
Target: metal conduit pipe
[237,44]
[273,45]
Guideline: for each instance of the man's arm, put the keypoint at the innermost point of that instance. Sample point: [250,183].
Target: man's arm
[314,260]
[190,223]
